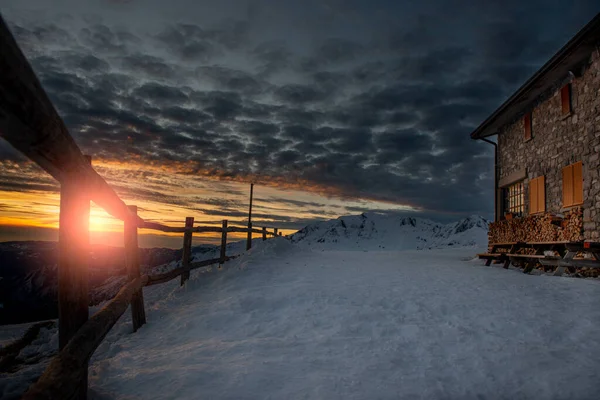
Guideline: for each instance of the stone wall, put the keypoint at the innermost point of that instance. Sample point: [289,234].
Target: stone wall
[559,141]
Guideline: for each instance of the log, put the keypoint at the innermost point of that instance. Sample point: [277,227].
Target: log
[57,381]
[132,263]
[187,250]
[249,237]
[160,227]
[167,276]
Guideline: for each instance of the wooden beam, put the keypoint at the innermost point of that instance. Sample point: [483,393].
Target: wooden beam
[60,377]
[249,237]
[187,250]
[132,263]
[223,242]
[73,259]
[30,123]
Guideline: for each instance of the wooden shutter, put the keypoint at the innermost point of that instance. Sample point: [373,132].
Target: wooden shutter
[537,195]
[567,186]
[565,99]
[527,126]
[541,194]
[533,195]
[577,183]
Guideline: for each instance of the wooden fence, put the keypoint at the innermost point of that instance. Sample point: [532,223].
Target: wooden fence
[30,123]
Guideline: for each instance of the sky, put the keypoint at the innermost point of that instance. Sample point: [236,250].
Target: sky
[330,107]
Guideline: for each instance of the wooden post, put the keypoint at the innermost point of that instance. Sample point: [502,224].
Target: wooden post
[275,231]
[73,258]
[264,233]
[223,242]
[187,250]
[279,233]
[132,263]
[249,239]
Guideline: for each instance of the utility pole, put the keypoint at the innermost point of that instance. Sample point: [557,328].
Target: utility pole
[249,240]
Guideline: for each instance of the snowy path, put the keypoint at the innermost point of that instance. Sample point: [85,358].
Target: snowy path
[297,324]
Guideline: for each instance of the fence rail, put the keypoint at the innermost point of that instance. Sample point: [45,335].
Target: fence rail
[31,124]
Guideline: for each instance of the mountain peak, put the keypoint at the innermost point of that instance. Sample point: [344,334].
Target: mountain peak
[378,231]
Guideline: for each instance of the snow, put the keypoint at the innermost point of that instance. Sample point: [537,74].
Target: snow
[321,316]
[376,231]
[287,322]
[33,359]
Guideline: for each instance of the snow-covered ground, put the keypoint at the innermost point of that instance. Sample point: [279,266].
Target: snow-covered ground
[324,317]
[283,322]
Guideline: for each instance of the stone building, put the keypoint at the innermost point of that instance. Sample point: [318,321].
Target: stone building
[548,137]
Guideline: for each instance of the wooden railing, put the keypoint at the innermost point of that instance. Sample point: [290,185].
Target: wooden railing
[30,123]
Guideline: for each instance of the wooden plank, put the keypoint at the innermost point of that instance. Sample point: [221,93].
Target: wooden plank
[163,228]
[73,259]
[526,256]
[488,255]
[30,123]
[567,174]
[59,378]
[187,250]
[223,241]
[577,183]
[202,229]
[132,263]
[533,196]
[167,276]
[541,194]
[547,243]
[249,237]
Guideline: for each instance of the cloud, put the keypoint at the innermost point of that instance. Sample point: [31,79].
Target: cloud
[381,113]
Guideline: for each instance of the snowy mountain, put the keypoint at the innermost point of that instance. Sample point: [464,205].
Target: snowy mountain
[373,231]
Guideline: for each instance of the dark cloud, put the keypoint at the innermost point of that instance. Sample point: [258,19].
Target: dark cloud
[362,104]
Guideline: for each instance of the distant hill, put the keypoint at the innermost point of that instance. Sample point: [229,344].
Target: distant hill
[378,231]
[29,280]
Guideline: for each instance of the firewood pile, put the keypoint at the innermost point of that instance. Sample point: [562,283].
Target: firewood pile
[538,228]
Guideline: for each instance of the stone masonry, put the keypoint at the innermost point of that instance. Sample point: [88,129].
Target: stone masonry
[559,141]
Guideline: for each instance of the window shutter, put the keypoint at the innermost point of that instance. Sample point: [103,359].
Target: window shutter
[565,98]
[533,196]
[527,126]
[541,193]
[568,186]
[577,183]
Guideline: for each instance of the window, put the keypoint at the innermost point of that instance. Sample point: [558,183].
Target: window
[573,184]
[514,199]
[527,126]
[537,195]
[565,99]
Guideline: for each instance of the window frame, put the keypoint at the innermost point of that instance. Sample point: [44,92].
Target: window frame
[513,199]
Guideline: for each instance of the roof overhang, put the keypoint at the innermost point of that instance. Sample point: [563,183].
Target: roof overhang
[570,58]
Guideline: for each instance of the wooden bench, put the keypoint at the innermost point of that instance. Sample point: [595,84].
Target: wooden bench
[567,257]
[494,255]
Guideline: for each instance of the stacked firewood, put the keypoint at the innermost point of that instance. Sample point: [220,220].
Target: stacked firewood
[571,228]
[538,228]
